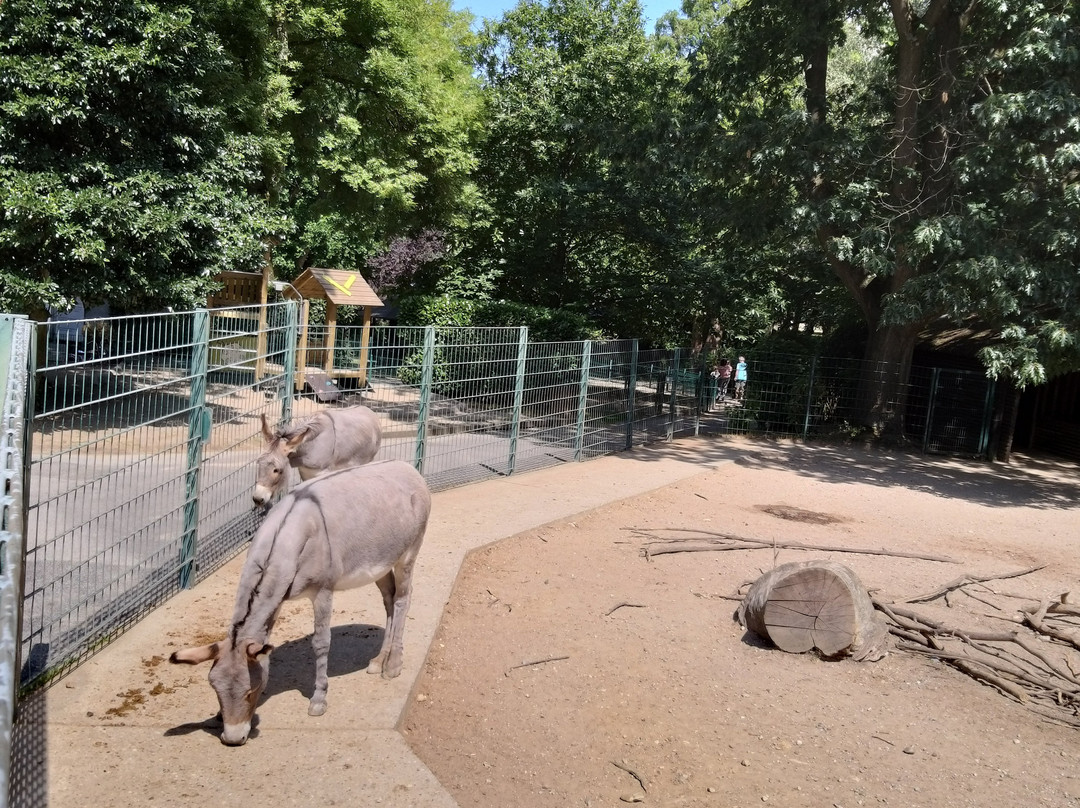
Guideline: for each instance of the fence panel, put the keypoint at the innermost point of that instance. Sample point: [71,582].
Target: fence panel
[122,418]
[145,431]
[251,362]
[109,452]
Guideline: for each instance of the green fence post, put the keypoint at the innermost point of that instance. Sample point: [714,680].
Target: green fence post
[17,345]
[583,399]
[198,434]
[426,376]
[674,390]
[809,398]
[987,420]
[930,409]
[631,390]
[292,338]
[519,395]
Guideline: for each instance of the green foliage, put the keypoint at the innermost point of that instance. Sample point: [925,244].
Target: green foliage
[959,201]
[119,178]
[438,311]
[545,325]
[374,108]
[579,167]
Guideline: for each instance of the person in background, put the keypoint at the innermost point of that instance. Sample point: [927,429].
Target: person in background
[722,374]
[740,379]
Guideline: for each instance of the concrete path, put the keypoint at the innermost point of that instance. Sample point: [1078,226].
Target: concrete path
[128,729]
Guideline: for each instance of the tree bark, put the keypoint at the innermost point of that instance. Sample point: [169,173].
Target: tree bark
[805,605]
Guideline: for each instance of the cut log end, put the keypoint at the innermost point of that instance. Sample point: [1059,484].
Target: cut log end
[811,608]
[815,604]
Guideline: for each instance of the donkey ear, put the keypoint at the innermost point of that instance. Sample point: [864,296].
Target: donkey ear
[193,656]
[257,652]
[292,442]
[269,436]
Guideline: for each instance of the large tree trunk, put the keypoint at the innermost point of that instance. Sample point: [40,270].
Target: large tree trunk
[1004,428]
[885,377]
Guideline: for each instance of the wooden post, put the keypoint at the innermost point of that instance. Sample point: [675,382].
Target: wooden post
[301,366]
[331,333]
[364,337]
[260,341]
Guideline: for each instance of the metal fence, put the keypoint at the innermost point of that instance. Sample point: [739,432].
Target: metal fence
[143,433]
[939,410]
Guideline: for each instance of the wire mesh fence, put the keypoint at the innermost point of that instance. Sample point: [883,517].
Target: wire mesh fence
[145,431]
[142,441]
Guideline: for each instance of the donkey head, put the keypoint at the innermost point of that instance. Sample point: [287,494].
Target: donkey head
[272,467]
[238,676]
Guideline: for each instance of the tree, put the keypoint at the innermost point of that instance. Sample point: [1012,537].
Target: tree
[907,183]
[120,179]
[372,109]
[580,167]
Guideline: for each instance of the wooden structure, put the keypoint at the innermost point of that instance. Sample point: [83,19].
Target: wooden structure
[246,289]
[338,287]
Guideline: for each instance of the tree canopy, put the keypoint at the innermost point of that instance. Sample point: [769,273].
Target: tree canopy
[941,181]
[120,177]
[752,166]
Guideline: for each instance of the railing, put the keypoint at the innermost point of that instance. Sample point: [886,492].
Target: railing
[143,433]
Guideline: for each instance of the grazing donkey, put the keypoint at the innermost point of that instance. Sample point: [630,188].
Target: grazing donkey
[340,530]
[333,439]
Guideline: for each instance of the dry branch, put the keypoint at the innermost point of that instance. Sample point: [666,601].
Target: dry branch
[535,662]
[1028,677]
[626,768]
[964,580]
[725,541]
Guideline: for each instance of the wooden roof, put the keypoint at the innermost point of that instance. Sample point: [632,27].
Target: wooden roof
[345,287]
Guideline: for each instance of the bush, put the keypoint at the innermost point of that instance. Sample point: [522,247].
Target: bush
[545,325]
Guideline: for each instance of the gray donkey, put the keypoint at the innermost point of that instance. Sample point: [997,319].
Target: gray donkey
[332,439]
[340,530]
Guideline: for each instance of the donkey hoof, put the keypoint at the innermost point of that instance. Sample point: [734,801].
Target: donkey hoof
[391,671]
[375,667]
[316,708]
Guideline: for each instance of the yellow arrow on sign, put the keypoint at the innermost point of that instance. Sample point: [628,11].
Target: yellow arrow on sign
[346,286]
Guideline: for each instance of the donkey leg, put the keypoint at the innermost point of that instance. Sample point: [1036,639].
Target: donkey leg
[386,588]
[323,604]
[396,624]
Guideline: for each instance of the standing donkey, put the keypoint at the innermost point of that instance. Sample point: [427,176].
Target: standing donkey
[340,530]
[330,440]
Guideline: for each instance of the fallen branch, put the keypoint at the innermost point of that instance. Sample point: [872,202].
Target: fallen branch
[623,765]
[964,580]
[727,542]
[535,662]
[1034,677]
[1036,623]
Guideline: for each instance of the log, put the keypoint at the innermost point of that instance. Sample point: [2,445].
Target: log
[820,604]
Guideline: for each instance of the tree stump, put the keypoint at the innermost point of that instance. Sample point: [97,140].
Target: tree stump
[815,604]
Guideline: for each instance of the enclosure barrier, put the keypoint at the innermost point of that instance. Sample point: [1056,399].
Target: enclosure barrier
[142,433]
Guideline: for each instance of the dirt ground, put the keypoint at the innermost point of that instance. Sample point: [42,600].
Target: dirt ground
[570,670]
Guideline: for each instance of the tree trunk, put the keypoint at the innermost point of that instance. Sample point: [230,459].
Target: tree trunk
[1005,420]
[815,604]
[884,380]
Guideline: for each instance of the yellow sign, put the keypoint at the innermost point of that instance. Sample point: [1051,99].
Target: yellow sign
[346,286]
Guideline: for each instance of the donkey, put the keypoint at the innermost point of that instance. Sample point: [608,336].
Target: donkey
[340,530]
[332,439]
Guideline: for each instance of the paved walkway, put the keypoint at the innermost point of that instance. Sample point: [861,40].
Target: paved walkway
[127,729]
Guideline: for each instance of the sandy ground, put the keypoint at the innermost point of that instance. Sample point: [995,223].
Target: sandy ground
[550,663]
[570,670]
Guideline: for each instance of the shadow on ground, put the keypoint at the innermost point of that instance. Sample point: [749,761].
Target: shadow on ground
[1028,481]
